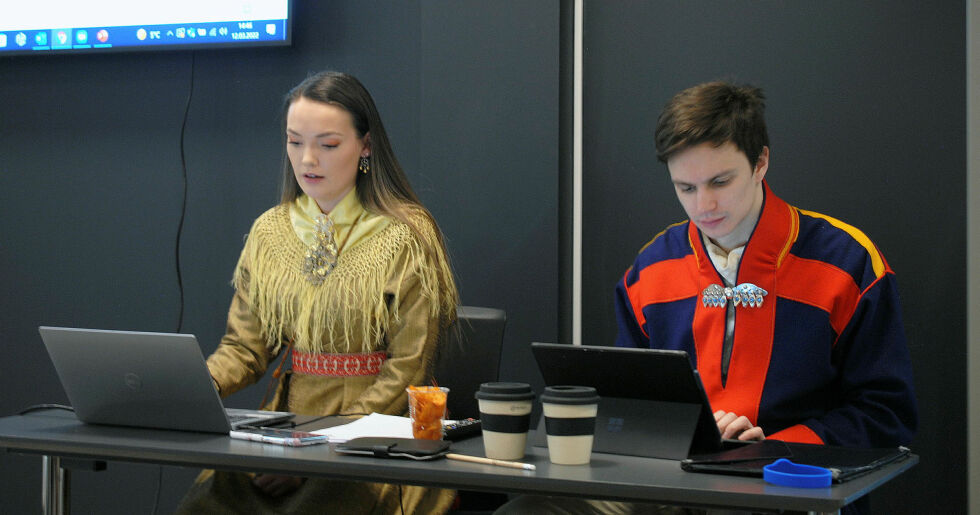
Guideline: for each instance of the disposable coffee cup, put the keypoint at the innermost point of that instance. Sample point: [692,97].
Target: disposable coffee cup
[569,417]
[505,415]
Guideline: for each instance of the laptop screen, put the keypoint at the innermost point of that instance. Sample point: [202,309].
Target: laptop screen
[139,379]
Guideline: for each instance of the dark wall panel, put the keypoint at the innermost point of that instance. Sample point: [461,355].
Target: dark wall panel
[866,118]
[90,185]
[489,113]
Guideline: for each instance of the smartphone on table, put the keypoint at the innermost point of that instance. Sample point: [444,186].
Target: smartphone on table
[278,436]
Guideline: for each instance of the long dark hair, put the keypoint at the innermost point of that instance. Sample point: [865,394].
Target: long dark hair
[385,189]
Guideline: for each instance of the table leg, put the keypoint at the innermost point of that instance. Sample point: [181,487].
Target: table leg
[55,486]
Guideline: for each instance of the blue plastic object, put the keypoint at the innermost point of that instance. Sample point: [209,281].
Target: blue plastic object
[783,472]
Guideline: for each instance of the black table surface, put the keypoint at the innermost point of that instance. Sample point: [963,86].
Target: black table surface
[608,476]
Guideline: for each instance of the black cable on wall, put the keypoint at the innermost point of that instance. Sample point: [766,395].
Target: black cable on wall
[183,200]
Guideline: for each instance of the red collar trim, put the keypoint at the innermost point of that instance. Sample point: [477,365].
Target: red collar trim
[773,236]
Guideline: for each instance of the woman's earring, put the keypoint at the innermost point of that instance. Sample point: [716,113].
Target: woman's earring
[364,166]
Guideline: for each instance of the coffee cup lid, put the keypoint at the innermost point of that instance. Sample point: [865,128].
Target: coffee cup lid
[500,391]
[565,394]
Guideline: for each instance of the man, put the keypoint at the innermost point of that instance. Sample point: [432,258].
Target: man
[791,317]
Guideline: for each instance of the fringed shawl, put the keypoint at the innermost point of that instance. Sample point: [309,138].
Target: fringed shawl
[353,309]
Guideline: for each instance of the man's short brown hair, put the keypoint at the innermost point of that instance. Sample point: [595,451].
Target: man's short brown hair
[715,112]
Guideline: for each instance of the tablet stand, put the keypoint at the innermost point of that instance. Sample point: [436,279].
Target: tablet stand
[638,427]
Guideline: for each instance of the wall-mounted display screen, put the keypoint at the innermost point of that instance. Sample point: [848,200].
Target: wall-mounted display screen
[70,26]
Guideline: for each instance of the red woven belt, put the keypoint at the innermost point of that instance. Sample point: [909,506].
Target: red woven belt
[339,365]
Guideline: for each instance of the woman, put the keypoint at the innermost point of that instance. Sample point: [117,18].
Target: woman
[348,273]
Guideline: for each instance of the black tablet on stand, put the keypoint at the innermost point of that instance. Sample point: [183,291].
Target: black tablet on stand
[652,401]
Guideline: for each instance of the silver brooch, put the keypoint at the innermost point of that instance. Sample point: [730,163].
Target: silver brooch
[321,256]
[745,294]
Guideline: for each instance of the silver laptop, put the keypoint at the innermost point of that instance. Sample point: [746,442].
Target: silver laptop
[139,379]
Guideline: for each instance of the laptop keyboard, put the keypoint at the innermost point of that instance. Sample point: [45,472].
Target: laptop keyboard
[234,419]
[239,417]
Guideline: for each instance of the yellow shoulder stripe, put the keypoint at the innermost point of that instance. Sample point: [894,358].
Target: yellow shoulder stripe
[794,232]
[659,234]
[876,261]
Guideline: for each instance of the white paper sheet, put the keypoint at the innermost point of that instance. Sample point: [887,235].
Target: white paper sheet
[374,424]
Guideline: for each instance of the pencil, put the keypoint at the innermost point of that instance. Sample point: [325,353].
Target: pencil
[490,461]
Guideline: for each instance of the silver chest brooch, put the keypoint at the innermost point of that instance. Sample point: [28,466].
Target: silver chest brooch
[745,294]
[321,256]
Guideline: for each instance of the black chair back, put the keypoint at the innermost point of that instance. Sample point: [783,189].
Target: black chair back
[470,355]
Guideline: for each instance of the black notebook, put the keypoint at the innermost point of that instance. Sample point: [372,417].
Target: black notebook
[387,447]
[845,463]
